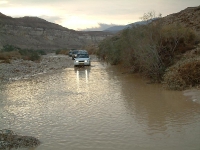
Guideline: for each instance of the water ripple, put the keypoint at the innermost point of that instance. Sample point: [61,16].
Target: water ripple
[98,107]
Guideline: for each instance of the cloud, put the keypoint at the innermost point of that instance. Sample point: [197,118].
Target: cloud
[3,2]
[86,14]
[101,27]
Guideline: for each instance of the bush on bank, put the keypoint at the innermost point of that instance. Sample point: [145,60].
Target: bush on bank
[150,49]
[183,74]
[63,52]
[91,48]
[9,51]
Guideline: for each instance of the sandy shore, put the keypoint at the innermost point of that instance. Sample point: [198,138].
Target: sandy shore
[19,69]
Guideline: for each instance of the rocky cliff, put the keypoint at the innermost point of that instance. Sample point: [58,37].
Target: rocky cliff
[36,33]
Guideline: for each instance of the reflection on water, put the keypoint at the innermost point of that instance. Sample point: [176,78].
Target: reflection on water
[98,107]
[82,77]
[157,108]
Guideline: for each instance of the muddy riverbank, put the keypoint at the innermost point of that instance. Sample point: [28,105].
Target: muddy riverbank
[23,69]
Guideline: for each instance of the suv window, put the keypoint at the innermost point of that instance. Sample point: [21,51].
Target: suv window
[74,51]
[82,56]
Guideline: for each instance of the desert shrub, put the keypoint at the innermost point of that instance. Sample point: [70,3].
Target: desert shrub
[62,51]
[6,56]
[177,39]
[41,52]
[103,51]
[109,50]
[146,52]
[6,61]
[34,56]
[91,48]
[183,74]
[58,51]
[114,56]
[10,52]
[137,47]
[24,52]
[29,54]
[9,48]
[126,45]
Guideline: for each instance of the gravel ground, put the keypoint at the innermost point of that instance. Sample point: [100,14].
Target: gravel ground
[20,69]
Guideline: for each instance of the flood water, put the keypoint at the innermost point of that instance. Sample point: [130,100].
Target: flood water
[100,108]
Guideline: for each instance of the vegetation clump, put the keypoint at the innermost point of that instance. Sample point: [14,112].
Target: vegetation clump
[183,74]
[151,49]
[9,139]
[9,52]
[63,52]
[91,48]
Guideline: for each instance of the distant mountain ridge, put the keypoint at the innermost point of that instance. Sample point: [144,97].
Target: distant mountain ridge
[37,33]
[29,22]
[116,29]
[189,17]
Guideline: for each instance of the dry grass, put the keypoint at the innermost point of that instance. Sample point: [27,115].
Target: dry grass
[64,52]
[184,74]
[92,49]
[6,56]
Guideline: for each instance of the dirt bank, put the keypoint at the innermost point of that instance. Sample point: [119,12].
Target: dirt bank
[20,69]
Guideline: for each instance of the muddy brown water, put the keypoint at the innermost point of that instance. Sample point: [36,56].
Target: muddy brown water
[100,108]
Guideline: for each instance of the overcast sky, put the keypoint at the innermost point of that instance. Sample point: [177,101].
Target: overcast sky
[92,14]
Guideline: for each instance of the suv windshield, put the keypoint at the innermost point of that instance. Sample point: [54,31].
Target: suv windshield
[83,56]
[75,52]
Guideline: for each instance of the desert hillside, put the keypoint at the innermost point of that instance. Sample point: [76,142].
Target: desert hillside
[37,33]
[165,50]
[189,17]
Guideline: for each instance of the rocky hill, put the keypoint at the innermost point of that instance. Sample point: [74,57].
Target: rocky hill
[37,33]
[189,17]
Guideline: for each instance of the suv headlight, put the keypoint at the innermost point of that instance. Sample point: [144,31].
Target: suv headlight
[86,60]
